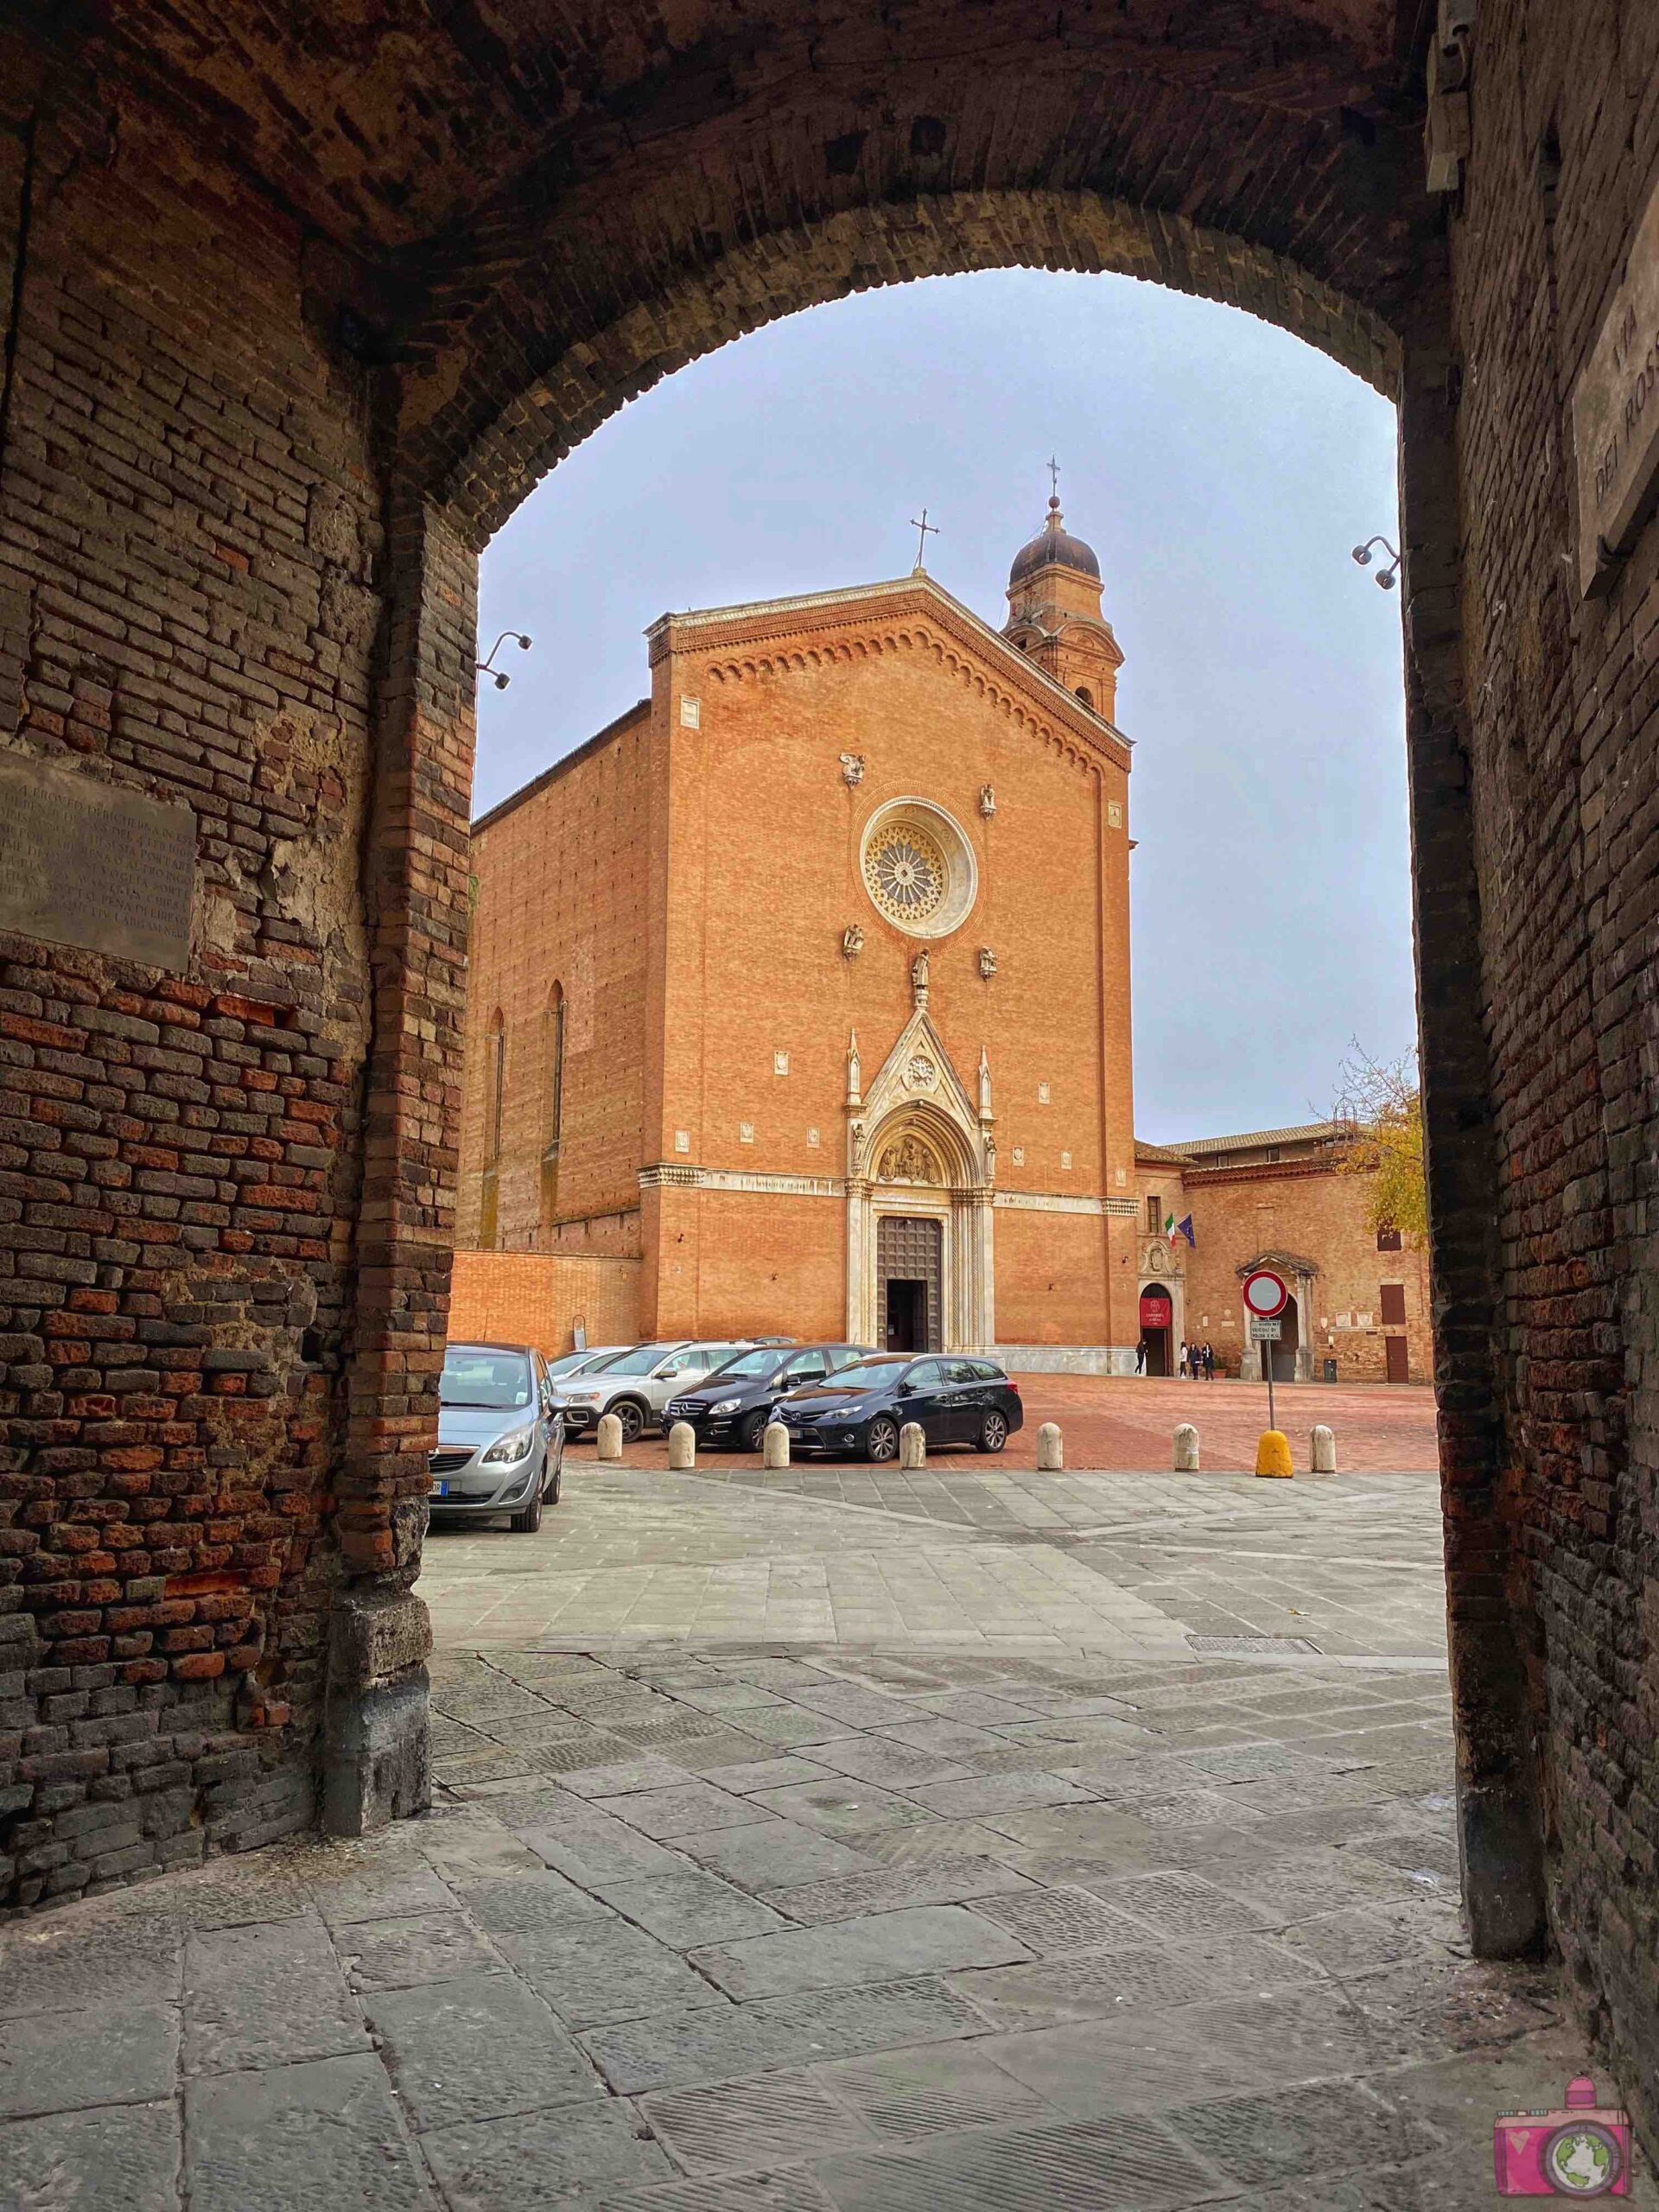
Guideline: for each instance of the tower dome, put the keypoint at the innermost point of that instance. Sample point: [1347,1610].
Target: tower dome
[1054,545]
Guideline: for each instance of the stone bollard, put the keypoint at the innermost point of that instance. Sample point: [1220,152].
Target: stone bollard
[682,1447]
[1051,1452]
[1186,1449]
[609,1442]
[774,1445]
[1273,1455]
[912,1446]
[1322,1451]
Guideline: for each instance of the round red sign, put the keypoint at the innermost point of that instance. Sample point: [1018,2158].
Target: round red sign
[1265,1293]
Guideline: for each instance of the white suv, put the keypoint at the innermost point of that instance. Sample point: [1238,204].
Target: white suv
[636,1386]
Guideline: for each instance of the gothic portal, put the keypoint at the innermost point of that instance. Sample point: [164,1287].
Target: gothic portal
[752,966]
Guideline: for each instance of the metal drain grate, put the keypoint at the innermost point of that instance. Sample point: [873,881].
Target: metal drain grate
[1245,1647]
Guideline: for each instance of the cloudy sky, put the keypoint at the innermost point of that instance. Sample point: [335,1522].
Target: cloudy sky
[1220,469]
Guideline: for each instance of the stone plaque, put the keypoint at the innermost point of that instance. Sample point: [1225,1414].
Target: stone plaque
[83,862]
[1616,411]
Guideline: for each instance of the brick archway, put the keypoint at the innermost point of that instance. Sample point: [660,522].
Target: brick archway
[297,309]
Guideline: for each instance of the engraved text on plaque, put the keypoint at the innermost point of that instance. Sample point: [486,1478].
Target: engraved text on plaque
[1616,411]
[83,862]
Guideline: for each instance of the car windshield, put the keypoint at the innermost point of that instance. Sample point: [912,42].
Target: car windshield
[759,1361]
[473,1376]
[639,1361]
[868,1374]
[571,1362]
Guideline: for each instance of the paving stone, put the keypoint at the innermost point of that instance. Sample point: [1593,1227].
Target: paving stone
[265,1996]
[846,1897]
[1062,1919]
[873,1759]
[518,1904]
[730,1697]
[591,1972]
[779,2116]
[1091,2068]
[691,1808]
[1364,1937]
[326,2132]
[726,2042]
[773,1853]
[369,1895]
[623,1776]
[917,1940]
[476,2047]
[461,1853]
[1333,2128]
[932,1841]
[842,1808]
[63,1961]
[859,1708]
[796,2192]
[426,1946]
[588,1846]
[791,1725]
[693,1908]
[114,2054]
[1068,2166]
[744,1778]
[929,2092]
[712,1755]
[1182,1904]
[976,1707]
[533,2160]
[117,2159]
[980,1794]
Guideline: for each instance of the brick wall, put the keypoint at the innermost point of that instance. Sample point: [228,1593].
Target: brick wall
[560,888]
[538,1298]
[189,529]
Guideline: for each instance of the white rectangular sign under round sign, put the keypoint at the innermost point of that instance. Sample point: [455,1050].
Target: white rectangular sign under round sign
[1265,1332]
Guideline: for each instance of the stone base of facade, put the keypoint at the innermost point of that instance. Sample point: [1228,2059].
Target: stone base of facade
[1065,1359]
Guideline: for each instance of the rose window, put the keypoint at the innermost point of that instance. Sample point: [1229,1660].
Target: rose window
[906,871]
[918,867]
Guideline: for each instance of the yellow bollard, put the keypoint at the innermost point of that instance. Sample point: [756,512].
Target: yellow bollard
[1273,1455]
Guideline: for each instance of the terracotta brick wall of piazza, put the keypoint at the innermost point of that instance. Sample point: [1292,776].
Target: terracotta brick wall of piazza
[1238,1213]
[538,1298]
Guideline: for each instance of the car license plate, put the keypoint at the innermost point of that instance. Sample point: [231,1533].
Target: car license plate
[439,1490]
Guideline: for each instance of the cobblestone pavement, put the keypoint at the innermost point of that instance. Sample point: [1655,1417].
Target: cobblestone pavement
[790,1928]
[979,1555]
[1124,1423]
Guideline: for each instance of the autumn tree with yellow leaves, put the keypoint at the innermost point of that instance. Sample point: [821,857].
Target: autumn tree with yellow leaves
[1379,1107]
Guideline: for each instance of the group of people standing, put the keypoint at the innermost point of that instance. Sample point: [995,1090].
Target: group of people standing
[1199,1361]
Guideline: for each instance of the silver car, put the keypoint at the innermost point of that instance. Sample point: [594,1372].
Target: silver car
[500,1436]
[637,1385]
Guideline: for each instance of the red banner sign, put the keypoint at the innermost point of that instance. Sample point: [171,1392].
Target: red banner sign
[1156,1312]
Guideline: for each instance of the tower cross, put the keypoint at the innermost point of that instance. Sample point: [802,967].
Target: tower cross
[925,530]
[1054,478]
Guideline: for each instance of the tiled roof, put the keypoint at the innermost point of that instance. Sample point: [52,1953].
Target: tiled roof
[1307,1133]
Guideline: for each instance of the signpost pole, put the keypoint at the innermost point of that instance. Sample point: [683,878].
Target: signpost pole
[1267,1367]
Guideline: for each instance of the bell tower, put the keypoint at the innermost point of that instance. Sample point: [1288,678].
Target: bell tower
[1054,614]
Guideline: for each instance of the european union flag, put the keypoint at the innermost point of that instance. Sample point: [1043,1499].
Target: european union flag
[1184,1228]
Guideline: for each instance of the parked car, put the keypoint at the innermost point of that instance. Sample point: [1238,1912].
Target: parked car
[957,1399]
[637,1384]
[500,1446]
[571,1364]
[734,1406]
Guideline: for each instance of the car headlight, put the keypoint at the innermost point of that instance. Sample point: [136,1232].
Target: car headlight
[726,1406]
[584,1397]
[515,1445]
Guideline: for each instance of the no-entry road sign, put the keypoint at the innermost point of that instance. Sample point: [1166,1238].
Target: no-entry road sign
[1265,1295]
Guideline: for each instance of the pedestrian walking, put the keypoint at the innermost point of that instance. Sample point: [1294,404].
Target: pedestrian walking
[1209,1361]
[1141,1356]
[1181,1370]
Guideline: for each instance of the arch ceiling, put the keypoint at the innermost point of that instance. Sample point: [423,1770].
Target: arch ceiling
[525,214]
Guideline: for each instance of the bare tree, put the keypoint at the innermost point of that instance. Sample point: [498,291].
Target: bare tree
[1379,1107]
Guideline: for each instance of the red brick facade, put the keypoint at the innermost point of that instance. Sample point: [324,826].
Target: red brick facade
[683,888]
[294,312]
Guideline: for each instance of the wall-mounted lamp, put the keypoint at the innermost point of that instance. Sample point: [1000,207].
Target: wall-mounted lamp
[1384,577]
[488,667]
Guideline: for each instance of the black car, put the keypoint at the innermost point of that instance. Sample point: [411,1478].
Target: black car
[732,1405]
[956,1398]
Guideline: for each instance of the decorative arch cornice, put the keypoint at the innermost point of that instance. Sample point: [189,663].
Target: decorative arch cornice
[1281,1261]
[918,1086]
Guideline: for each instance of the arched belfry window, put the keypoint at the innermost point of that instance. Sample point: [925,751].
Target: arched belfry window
[1085,695]
[495,1085]
[552,1100]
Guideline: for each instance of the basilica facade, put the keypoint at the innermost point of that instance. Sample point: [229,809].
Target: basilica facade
[800,994]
